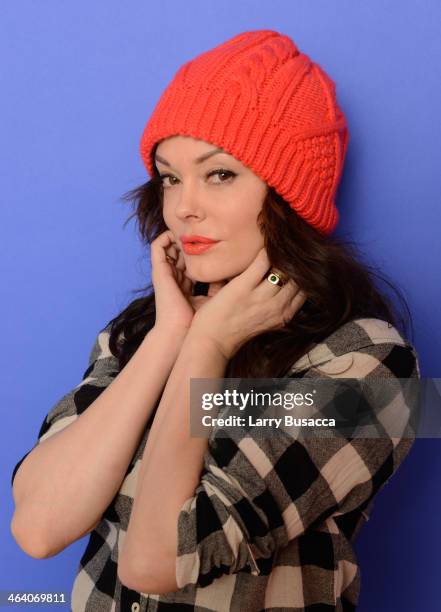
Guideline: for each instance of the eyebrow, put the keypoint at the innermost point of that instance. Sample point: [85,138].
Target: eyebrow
[198,160]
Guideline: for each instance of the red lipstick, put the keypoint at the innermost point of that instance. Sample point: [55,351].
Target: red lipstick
[196,245]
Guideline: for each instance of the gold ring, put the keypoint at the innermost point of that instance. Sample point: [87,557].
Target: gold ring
[276,278]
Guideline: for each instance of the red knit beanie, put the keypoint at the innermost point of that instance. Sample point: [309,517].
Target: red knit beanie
[267,104]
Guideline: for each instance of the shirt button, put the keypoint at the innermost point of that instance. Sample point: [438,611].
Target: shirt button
[135,606]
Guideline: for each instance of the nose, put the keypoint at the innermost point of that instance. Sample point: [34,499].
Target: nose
[189,205]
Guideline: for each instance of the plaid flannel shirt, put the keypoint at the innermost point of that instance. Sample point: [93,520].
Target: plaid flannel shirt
[272,521]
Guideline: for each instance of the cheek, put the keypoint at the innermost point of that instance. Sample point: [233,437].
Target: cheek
[246,215]
[246,229]
[244,246]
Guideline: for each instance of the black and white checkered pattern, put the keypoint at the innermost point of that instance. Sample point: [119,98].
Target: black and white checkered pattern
[272,521]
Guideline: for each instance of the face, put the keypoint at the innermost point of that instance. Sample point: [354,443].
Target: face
[209,193]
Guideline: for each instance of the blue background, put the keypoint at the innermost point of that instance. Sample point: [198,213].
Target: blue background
[79,81]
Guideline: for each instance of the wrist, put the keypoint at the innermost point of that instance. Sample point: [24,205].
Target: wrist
[167,338]
[169,332]
[198,340]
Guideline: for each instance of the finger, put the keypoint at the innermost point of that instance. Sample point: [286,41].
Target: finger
[286,294]
[285,304]
[293,304]
[172,252]
[159,245]
[266,288]
[290,289]
[186,284]
[180,262]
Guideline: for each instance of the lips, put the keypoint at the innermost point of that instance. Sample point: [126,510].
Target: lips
[197,239]
[196,245]
[197,248]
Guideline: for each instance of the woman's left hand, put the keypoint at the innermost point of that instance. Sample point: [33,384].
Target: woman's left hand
[246,306]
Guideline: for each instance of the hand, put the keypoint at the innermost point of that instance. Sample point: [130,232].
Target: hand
[175,304]
[246,306]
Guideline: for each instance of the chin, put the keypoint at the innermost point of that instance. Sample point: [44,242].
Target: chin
[207,276]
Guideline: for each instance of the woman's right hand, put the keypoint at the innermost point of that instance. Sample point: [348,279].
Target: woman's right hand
[173,289]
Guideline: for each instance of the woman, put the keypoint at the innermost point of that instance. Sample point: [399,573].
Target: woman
[245,149]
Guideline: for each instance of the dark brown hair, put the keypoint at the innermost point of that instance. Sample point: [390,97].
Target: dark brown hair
[340,287]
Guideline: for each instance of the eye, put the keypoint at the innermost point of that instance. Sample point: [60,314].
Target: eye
[164,176]
[220,172]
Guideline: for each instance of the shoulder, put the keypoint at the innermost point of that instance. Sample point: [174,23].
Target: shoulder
[368,341]
[100,347]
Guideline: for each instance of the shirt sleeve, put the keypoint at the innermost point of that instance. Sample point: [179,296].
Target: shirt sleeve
[102,369]
[258,493]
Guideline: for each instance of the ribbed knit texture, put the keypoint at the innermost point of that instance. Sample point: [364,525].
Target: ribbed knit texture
[267,104]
